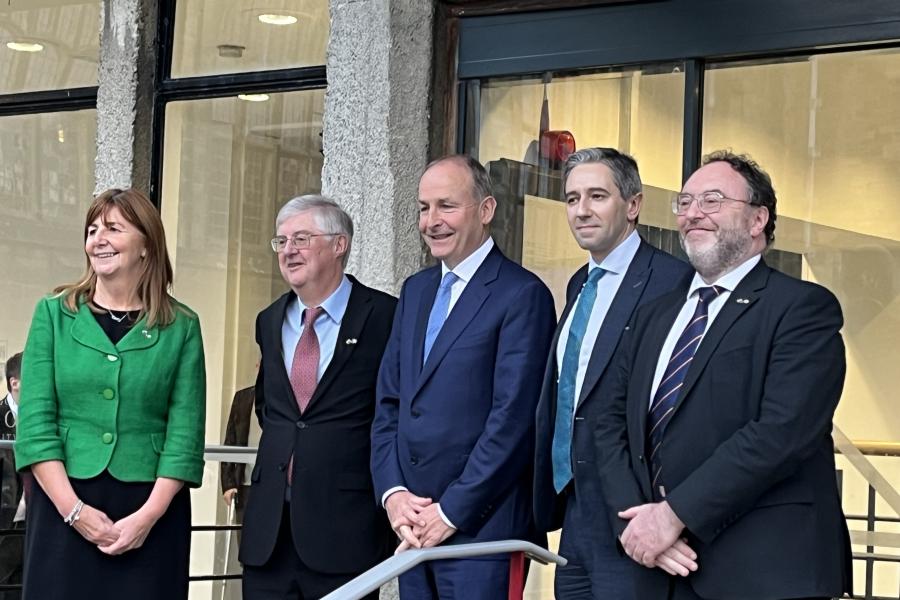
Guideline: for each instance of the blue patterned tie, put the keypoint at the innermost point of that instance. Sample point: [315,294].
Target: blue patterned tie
[669,387]
[438,312]
[565,390]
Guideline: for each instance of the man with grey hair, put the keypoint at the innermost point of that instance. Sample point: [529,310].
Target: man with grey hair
[310,525]
[603,199]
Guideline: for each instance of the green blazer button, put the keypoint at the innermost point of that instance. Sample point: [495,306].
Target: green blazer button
[109,394]
[107,438]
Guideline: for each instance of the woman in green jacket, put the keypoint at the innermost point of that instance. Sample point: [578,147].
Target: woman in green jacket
[112,417]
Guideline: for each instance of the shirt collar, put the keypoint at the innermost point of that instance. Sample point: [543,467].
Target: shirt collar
[466,269]
[334,305]
[729,280]
[620,258]
[12,404]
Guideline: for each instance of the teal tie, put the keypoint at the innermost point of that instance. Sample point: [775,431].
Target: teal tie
[565,391]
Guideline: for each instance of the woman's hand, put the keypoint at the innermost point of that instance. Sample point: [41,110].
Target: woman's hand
[96,527]
[132,531]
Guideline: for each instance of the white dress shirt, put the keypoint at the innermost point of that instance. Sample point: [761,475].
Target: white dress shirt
[615,264]
[727,282]
[327,326]
[464,272]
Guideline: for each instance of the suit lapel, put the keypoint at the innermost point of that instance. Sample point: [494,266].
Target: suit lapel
[473,297]
[742,298]
[648,356]
[273,326]
[87,332]
[359,306]
[426,301]
[617,317]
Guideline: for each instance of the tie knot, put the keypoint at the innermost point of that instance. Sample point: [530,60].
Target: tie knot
[311,314]
[707,294]
[595,275]
[449,279]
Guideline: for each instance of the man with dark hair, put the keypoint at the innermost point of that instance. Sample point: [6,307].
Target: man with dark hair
[603,198]
[714,447]
[12,505]
[452,440]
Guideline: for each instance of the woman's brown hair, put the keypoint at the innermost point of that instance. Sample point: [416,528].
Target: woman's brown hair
[156,269]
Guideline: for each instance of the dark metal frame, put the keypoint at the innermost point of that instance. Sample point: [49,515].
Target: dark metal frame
[168,89]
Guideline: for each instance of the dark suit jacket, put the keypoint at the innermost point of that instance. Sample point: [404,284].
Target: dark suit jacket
[335,526]
[460,429]
[237,433]
[650,274]
[747,457]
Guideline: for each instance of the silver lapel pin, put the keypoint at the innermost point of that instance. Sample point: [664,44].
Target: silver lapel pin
[350,341]
[146,334]
[742,301]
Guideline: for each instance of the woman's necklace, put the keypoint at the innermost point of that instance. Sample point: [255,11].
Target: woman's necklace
[115,318]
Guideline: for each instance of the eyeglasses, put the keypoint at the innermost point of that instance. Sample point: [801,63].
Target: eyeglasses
[707,202]
[298,240]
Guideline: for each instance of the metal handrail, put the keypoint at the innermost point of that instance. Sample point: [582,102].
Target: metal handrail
[395,566]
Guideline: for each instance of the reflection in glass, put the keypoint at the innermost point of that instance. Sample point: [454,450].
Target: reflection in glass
[46,184]
[48,45]
[228,166]
[638,111]
[229,36]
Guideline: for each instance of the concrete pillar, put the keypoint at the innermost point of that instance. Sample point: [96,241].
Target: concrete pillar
[125,95]
[375,135]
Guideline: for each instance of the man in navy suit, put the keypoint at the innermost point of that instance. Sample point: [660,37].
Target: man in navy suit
[453,436]
[603,199]
[714,447]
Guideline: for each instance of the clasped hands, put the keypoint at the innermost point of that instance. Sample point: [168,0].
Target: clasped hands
[416,521]
[117,537]
[652,539]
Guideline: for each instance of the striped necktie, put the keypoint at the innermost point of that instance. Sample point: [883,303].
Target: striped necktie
[667,393]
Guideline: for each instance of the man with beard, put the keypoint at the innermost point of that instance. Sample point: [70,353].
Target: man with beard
[714,449]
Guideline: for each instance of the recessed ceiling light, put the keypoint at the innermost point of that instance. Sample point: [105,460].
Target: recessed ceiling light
[25,46]
[274,19]
[254,97]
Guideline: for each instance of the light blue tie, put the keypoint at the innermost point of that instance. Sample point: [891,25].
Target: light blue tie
[565,390]
[438,312]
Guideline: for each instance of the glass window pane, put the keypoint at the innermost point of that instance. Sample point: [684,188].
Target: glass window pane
[230,36]
[638,111]
[46,185]
[228,166]
[825,128]
[48,45]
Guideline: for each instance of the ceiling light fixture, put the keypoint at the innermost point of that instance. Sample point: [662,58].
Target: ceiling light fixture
[253,97]
[25,46]
[275,19]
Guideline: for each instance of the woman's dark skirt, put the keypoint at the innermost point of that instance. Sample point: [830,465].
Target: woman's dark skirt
[60,564]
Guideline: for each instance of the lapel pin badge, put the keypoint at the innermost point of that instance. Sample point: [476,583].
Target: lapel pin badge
[742,301]
[146,334]
[350,341]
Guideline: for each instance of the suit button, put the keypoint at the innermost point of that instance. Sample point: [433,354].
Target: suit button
[416,414]
[107,438]
[109,394]
[112,357]
[301,425]
[641,458]
[413,460]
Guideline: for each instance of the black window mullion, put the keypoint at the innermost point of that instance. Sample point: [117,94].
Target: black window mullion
[694,70]
[48,101]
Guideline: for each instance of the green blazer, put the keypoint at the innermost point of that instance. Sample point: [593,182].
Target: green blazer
[136,408]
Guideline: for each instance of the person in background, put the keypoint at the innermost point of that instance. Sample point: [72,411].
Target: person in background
[112,413]
[12,499]
[235,483]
